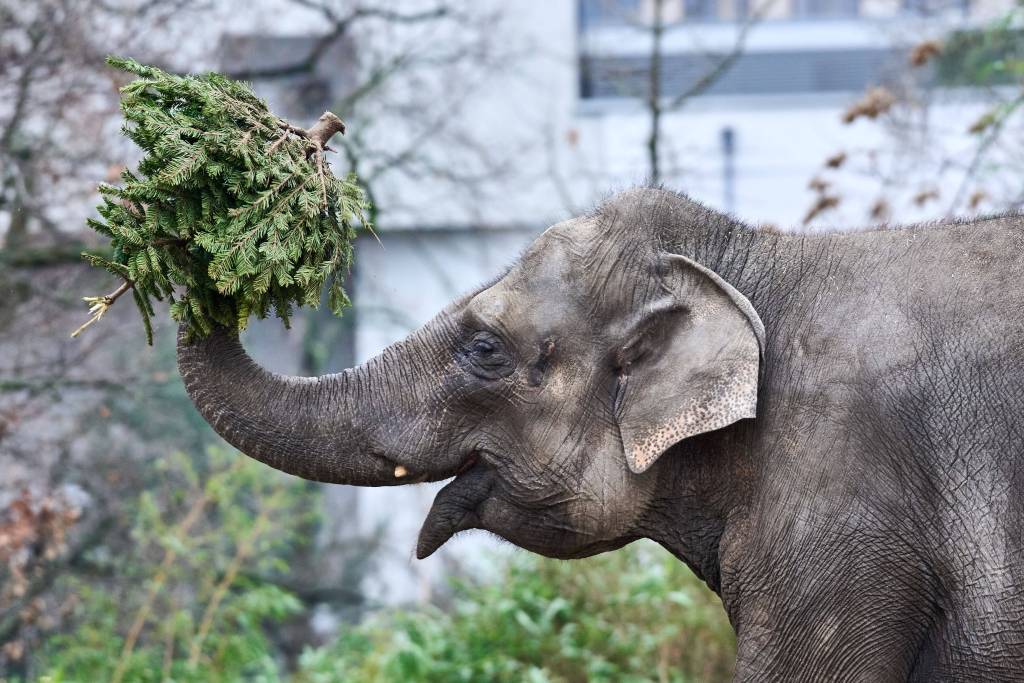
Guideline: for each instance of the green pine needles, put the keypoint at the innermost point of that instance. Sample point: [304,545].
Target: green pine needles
[232,211]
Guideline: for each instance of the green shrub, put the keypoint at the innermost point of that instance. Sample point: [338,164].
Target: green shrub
[188,604]
[634,615]
[197,600]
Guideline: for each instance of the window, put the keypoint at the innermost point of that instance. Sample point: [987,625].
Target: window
[597,13]
[763,73]
[602,13]
[825,9]
[806,55]
[700,9]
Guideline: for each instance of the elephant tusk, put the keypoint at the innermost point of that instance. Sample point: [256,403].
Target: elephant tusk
[400,472]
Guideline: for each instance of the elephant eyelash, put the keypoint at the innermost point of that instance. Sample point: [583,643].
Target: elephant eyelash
[483,346]
[486,356]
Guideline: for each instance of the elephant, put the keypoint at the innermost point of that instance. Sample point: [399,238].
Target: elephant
[826,427]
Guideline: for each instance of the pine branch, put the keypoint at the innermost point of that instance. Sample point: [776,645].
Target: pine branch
[232,211]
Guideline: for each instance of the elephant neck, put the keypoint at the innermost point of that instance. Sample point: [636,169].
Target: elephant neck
[707,483]
[790,279]
[704,485]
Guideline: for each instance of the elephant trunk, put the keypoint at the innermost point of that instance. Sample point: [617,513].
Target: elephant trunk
[306,426]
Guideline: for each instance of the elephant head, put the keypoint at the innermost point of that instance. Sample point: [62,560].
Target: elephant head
[550,394]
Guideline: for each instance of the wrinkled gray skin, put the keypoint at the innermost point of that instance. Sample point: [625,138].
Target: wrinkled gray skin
[865,525]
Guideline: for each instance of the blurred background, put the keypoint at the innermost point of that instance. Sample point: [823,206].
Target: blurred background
[136,546]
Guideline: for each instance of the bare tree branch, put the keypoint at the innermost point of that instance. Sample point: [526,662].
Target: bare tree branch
[722,66]
[339,26]
[656,106]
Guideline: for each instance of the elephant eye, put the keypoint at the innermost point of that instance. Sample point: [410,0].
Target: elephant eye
[483,346]
[484,355]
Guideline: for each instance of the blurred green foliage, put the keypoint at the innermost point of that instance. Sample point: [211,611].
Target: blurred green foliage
[631,616]
[990,57]
[197,601]
[192,600]
[987,56]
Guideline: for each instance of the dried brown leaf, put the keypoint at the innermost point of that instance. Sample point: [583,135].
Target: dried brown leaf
[836,160]
[825,202]
[880,210]
[976,199]
[923,52]
[876,101]
[982,123]
[818,184]
[925,196]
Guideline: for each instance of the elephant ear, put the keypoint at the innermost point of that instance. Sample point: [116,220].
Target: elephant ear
[690,363]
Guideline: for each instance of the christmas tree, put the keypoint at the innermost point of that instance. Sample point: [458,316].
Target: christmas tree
[232,211]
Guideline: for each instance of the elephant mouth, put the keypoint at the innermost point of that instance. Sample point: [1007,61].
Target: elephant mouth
[404,475]
[469,463]
[455,506]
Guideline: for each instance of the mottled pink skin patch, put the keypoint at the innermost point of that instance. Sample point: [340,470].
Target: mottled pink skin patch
[732,398]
